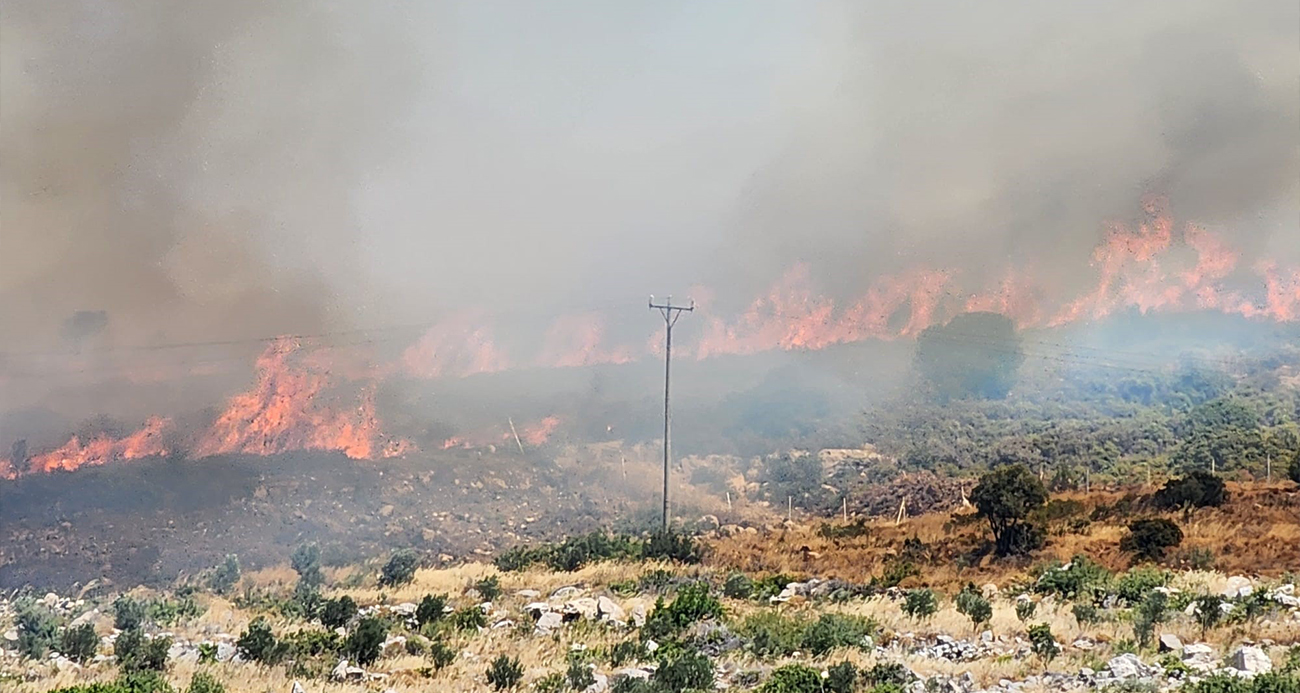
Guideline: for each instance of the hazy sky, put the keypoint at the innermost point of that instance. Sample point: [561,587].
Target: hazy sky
[222,169]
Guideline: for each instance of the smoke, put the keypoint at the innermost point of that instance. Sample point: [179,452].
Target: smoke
[222,170]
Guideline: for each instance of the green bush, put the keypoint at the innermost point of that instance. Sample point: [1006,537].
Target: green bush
[579,675]
[1199,489]
[128,613]
[258,644]
[920,604]
[671,546]
[203,682]
[627,652]
[793,678]
[224,576]
[504,673]
[1043,642]
[841,678]
[738,586]
[363,643]
[1025,609]
[440,654]
[830,631]
[771,634]
[693,603]
[489,588]
[895,572]
[127,682]
[686,671]
[79,643]
[431,608]
[1133,586]
[1085,613]
[336,613]
[888,674]
[1270,682]
[306,562]
[554,682]
[311,643]
[1079,578]
[469,618]
[1151,538]
[974,606]
[1005,498]
[1208,612]
[400,568]
[135,652]
[38,628]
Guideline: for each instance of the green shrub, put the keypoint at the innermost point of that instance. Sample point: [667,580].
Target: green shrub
[79,643]
[671,546]
[400,568]
[769,586]
[1044,643]
[1208,612]
[489,588]
[504,673]
[1151,538]
[431,608]
[1270,682]
[920,604]
[1080,577]
[207,652]
[686,671]
[1085,613]
[554,682]
[579,675]
[311,643]
[469,618]
[693,603]
[306,562]
[1199,489]
[127,682]
[225,575]
[888,674]
[1133,586]
[1025,609]
[258,644]
[974,606]
[203,682]
[128,614]
[440,654]
[771,634]
[627,652]
[738,586]
[793,678]
[363,643]
[38,628]
[841,678]
[336,613]
[895,572]
[135,652]
[830,631]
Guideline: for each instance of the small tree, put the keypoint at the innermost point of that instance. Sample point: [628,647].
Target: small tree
[504,673]
[431,608]
[1209,612]
[1005,497]
[920,604]
[1147,615]
[1044,643]
[306,562]
[400,568]
[1199,489]
[363,644]
[79,643]
[225,575]
[1025,609]
[337,612]
[1151,538]
[258,644]
[973,604]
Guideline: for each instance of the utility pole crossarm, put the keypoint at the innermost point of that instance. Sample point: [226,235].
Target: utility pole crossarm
[671,313]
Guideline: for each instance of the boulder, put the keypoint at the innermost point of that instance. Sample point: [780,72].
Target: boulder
[582,607]
[1170,643]
[599,685]
[1127,666]
[532,595]
[394,646]
[609,610]
[1250,660]
[549,621]
[1237,586]
[565,592]
[297,688]
[638,615]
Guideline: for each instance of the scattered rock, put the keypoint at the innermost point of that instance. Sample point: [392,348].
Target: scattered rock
[1250,660]
[1238,586]
[609,610]
[297,688]
[1128,666]
[582,607]
[1170,643]
[549,621]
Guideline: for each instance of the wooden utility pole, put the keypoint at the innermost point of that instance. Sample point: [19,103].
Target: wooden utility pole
[670,313]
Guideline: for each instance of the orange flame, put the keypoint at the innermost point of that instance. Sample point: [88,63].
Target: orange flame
[282,413]
[578,340]
[454,348]
[146,442]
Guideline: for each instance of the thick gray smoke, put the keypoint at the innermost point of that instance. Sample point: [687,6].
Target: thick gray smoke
[224,169]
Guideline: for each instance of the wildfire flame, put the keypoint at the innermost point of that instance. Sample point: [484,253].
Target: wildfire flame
[146,442]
